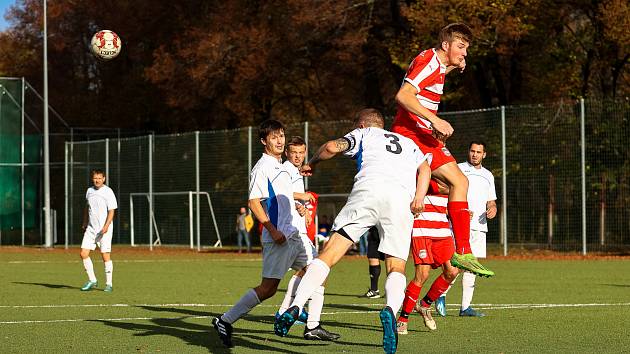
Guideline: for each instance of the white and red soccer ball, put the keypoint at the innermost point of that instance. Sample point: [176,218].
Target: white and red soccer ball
[106,44]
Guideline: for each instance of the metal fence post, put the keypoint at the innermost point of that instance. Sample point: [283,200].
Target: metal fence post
[583,152]
[197,183]
[107,159]
[306,157]
[504,182]
[65,180]
[22,161]
[151,192]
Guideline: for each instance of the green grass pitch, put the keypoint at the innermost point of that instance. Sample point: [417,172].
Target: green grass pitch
[163,302]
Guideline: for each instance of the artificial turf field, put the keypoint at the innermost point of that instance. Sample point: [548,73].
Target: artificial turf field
[163,302]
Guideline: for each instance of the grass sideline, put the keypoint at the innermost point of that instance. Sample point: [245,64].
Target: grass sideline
[163,302]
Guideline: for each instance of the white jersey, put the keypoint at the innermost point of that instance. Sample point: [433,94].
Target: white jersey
[481,190]
[384,159]
[271,183]
[297,183]
[99,202]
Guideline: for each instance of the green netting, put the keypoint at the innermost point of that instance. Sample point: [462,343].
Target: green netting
[11,171]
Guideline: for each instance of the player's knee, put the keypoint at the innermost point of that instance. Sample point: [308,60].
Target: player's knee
[84,254]
[265,291]
[450,273]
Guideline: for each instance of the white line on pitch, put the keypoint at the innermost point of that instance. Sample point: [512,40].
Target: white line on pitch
[484,306]
[144,261]
[323,313]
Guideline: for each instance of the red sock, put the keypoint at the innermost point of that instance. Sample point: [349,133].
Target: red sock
[460,219]
[411,297]
[438,288]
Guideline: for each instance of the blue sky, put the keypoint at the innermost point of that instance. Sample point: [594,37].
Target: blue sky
[4,6]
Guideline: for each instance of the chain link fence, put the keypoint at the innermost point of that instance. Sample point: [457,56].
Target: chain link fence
[551,195]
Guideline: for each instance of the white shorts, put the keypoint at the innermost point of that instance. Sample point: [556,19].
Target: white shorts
[91,239]
[387,209]
[478,243]
[294,253]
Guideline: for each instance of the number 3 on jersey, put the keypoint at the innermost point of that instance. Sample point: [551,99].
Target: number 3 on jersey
[394,147]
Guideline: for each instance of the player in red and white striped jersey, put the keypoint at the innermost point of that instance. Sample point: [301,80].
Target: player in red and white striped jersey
[418,100]
[432,246]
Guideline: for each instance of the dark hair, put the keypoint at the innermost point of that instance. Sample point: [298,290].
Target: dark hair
[296,141]
[477,142]
[269,126]
[97,171]
[453,31]
[370,116]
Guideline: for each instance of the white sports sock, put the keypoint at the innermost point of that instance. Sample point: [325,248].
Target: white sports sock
[315,306]
[395,285]
[288,297]
[243,306]
[450,286]
[468,288]
[89,268]
[315,275]
[109,270]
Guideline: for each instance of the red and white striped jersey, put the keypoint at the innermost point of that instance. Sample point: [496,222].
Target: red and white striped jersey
[426,73]
[433,221]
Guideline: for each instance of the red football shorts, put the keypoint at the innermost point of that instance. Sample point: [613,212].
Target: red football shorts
[428,145]
[433,251]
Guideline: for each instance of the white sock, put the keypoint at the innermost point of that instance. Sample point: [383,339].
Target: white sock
[89,269]
[450,286]
[468,288]
[395,285]
[315,306]
[315,275]
[109,270]
[290,295]
[242,307]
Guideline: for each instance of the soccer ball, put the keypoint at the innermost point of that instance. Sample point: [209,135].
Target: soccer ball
[106,44]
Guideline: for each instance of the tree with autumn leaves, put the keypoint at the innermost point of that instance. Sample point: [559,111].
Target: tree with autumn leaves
[223,64]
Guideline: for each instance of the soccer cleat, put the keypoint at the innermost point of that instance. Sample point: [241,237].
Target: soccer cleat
[425,312]
[319,333]
[440,306]
[471,312]
[372,294]
[89,285]
[108,289]
[470,263]
[282,324]
[224,330]
[401,327]
[390,332]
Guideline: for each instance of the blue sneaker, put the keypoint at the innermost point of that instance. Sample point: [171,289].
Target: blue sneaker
[282,324]
[390,333]
[89,285]
[440,306]
[303,317]
[471,312]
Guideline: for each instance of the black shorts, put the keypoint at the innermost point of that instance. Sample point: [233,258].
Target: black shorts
[373,241]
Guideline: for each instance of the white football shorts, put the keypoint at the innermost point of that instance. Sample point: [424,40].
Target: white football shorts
[387,208]
[294,253]
[91,239]
[478,243]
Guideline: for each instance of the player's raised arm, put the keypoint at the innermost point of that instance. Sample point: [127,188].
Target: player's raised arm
[325,152]
[406,97]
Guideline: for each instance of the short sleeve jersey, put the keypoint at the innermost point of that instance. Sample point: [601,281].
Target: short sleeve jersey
[426,73]
[384,158]
[481,190]
[297,183]
[270,182]
[99,202]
